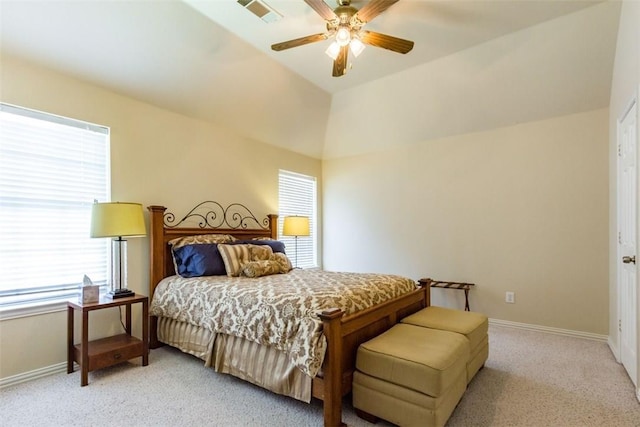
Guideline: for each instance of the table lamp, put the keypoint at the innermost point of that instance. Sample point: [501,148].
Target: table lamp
[118,220]
[295,226]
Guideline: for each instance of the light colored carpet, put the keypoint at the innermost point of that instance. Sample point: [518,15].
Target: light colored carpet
[530,379]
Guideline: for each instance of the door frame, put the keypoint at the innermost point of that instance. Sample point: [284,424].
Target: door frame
[634,101]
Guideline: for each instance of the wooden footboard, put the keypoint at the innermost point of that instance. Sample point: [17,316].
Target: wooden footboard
[344,333]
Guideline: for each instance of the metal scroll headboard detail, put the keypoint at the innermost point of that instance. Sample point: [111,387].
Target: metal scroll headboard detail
[212,214]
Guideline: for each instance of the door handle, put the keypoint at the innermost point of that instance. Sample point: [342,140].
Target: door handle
[629,259]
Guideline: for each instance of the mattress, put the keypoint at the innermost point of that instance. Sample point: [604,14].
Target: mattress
[279,311]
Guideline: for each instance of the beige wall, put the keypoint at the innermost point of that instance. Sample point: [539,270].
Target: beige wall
[625,87]
[157,157]
[522,208]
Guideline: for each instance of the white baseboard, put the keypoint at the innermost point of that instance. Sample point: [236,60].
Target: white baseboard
[549,330]
[62,367]
[32,375]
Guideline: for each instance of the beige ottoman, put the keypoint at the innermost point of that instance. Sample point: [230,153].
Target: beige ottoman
[411,376]
[474,326]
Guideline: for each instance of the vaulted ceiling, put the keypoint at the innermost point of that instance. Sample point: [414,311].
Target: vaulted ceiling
[476,65]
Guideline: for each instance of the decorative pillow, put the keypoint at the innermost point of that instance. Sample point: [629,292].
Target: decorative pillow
[235,256]
[276,245]
[198,260]
[182,260]
[261,268]
[260,253]
[201,239]
[283,262]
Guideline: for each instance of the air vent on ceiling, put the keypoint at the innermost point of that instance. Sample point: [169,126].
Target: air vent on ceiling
[261,10]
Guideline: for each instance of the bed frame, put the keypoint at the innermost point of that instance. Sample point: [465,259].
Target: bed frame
[344,333]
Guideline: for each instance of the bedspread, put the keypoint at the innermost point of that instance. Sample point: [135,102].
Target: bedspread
[280,310]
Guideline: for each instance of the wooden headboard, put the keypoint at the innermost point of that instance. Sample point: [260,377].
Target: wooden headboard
[206,218]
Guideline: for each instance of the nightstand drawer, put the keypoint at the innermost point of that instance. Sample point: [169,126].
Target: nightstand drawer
[110,351]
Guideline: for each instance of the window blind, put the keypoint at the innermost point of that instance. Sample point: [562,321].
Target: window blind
[51,170]
[297,196]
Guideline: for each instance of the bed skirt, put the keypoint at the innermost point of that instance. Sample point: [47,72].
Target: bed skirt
[263,366]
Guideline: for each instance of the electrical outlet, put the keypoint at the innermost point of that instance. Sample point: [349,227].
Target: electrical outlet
[510,297]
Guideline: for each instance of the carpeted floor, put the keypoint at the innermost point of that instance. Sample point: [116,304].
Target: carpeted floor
[530,379]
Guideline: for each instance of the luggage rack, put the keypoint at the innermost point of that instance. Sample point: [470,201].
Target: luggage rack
[463,286]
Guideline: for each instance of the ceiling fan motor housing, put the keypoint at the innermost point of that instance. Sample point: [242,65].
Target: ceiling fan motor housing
[345,17]
[346,23]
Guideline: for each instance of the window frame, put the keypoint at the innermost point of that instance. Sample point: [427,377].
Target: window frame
[52,298]
[292,207]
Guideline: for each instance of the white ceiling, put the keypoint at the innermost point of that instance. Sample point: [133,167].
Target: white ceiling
[212,60]
[438,28]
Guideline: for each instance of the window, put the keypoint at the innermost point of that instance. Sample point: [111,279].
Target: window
[297,194]
[51,170]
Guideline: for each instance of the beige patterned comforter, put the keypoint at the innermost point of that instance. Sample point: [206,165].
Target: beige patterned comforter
[278,310]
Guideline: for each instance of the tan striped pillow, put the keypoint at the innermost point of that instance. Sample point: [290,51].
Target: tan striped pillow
[236,256]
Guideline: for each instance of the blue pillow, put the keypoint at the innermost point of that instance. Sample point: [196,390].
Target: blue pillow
[276,245]
[199,260]
[204,259]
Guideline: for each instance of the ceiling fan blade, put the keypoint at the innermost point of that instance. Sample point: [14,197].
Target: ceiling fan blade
[386,42]
[340,64]
[299,42]
[373,9]
[322,9]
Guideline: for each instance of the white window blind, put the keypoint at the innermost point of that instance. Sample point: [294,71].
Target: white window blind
[297,195]
[51,170]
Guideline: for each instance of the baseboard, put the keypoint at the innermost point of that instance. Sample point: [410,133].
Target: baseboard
[549,330]
[62,367]
[32,375]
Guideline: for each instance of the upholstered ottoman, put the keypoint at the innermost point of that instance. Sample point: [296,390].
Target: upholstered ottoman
[411,376]
[474,326]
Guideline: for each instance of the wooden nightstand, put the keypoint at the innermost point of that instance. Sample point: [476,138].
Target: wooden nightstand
[92,355]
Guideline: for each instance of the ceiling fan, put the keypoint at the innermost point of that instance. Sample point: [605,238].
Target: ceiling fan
[346,23]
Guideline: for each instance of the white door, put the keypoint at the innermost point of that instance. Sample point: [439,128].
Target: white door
[627,248]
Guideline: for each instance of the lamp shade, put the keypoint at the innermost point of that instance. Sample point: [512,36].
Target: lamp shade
[295,226]
[117,219]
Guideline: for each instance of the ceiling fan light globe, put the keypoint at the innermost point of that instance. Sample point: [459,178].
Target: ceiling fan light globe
[343,36]
[356,47]
[333,50]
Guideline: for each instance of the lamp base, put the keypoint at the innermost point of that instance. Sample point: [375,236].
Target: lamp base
[120,293]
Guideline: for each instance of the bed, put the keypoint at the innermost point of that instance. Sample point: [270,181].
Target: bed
[315,358]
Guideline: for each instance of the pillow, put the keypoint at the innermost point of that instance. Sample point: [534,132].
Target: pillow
[276,245]
[201,239]
[198,260]
[260,253]
[235,256]
[260,268]
[182,261]
[283,262]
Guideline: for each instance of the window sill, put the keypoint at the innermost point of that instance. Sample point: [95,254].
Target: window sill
[32,309]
